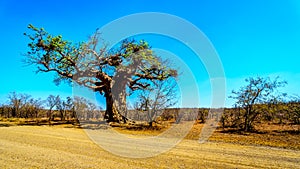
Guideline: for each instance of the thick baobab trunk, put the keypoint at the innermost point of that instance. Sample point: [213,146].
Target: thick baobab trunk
[116,105]
[112,114]
[120,103]
[115,94]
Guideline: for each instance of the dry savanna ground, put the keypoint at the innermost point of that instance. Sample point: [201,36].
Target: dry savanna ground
[64,146]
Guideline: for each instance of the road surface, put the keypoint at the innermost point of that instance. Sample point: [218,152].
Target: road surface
[57,147]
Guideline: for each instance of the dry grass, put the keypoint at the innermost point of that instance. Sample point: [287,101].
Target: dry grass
[273,135]
[280,136]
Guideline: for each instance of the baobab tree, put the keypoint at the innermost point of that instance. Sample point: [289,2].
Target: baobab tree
[130,65]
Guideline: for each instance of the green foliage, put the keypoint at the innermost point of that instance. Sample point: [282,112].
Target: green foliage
[51,53]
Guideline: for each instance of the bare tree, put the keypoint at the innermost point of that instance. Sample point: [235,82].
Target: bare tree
[5,110]
[14,103]
[80,105]
[25,109]
[155,99]
[70,105]
[131,64]
[62,108]
[52,101]
[31,107]
[91,110]
[294,109]
[258,90]
[36,107]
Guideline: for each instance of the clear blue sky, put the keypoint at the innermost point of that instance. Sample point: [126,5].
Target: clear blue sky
[252,37]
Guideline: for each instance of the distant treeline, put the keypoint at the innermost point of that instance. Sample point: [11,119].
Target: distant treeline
[276,113]
[79,108]
[53,108]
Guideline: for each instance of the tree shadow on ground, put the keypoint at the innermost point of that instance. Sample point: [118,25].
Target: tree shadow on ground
[242,132]
[93,125]
[271,132]
[291,132]
[5,125]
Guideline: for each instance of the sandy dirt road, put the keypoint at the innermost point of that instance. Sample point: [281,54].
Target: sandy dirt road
[56,147]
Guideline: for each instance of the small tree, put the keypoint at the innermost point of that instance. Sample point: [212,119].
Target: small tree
[2,110]
[36,107]
[91,110]
[202,114]
[69,103]
[52,101]
[80,106]
[14,100]
[161,95]
[26,106]
[258,90]
[62,108]
[31,107]
[294,109]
